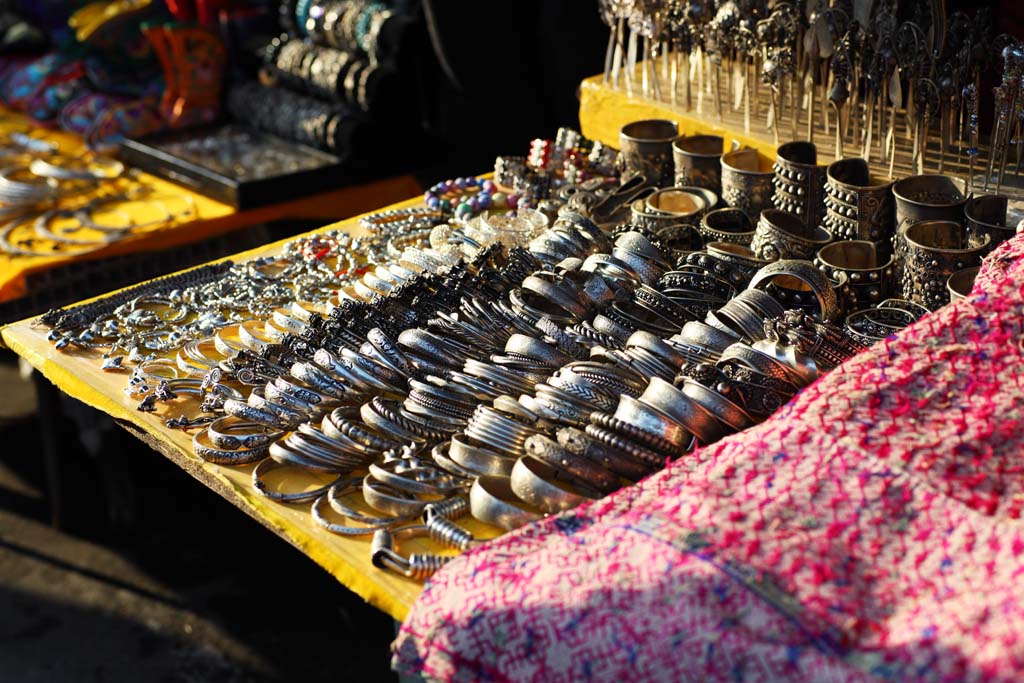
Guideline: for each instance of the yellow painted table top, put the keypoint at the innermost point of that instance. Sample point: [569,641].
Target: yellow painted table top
[209,218]
[14,269]
[78,374]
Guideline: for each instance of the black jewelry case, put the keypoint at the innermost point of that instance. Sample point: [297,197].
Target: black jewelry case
[236,165]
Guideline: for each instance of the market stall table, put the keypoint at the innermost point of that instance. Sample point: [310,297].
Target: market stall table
[346,558]
[23,277]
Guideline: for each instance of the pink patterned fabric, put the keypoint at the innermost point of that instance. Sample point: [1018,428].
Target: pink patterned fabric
[868,531]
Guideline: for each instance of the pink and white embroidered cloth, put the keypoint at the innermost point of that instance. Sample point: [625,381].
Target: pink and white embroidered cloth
[868,531]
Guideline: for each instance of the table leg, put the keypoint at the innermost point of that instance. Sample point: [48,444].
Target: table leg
[48,399]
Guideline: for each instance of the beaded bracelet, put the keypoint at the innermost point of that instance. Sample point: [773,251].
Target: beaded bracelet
[440,197]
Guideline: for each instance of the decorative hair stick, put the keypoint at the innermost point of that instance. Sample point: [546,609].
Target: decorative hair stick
[652,60]
[645,85]
[811,58]
[699,65]
[608,17]
[1004,96]
[883,99]
[628,65]
[896,100]
[674,79]
[745,45]
[927,103]
[839,93]
[971,105]
[1013,55]
[687,71]
[946,90]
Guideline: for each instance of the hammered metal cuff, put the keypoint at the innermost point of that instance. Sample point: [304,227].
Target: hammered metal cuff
[727,225]
[869,278]
[783,235]
[697,160]
[745,186]
[934,251]
[800,182]
[858,206]
[986,215]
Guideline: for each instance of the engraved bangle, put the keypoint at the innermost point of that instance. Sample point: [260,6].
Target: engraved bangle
[225,345]
[246,412]
[478,460]
[231,434]
[273,333]
[703,335]
[389,350]
[387,499]
[317,379]
[265,466]
[805,272]
[491,500]
[442,458]
[652,420]
[409,484]
[632,462]
[285,321]
[304,394]
[252,334]
[287,415]
[553,454]
[760,362]
[226,456]
[584,390]
[672,402]
[545,487]
[345,372]
[276,395]
[724,409]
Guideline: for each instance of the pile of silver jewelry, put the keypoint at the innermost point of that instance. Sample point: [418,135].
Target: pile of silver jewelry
[52,204]
[505,366]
